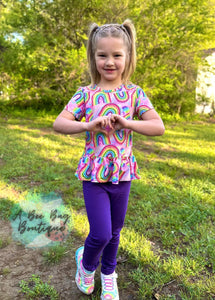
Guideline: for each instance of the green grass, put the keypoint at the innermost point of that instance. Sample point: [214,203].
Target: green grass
[54,254]
[169,235]
[35,288]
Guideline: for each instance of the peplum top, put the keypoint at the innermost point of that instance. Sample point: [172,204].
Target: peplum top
[108,158]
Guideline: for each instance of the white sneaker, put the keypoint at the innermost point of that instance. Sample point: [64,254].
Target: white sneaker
[109,287]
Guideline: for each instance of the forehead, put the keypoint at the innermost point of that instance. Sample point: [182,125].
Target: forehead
[110,44]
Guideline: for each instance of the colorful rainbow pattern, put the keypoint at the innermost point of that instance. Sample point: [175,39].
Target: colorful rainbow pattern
[85,172]
[90,152]
[108,158]
[100,139]
[88,137]
[122,96]
[101,98]
[79,98]
[142,109]
[126,112]
[140,93]
[89,114]
[109,109]
[103,174]
[119,136]
[109,151]
[129,139]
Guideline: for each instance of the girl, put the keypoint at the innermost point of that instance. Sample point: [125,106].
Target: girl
[107,165]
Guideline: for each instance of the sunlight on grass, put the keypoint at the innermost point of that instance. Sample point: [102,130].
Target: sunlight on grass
[137,246]
[169,228]
[80,224]
[9,193]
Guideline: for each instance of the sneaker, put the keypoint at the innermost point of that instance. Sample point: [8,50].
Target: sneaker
[83,278]
[109,287]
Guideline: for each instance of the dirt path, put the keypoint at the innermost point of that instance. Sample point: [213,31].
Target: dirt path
[19,263]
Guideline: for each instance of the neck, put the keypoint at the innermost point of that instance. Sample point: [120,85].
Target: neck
[109,86]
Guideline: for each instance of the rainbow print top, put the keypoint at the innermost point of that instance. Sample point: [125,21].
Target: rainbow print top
[108,158]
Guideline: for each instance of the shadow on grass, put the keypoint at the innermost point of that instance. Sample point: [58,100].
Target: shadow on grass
[162,207]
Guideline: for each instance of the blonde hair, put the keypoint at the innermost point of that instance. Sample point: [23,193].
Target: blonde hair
[126,32]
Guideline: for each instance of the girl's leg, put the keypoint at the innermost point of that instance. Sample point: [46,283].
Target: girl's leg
[119,195]
[98,208]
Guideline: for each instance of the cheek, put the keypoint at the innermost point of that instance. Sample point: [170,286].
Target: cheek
[99,63]
[124,63]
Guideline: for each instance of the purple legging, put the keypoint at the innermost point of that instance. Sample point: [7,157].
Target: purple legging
[106,206]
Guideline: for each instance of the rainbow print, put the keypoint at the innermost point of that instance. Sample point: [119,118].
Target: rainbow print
[126,112]
[85,172]
[100,139]
[130,86]
[122,96]
[87,97]
[133,97]
[121,173]
[99,98]
[109,151]
[103,174]
[89,114]
[93,88]
[78,98]
[77,112]
[119,136]
[88,137]
[129,140]
[115,170]
[140,93]
[109,109]
[142,109]
[90,152]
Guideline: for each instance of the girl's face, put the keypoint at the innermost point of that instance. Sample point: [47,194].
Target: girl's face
[110,57]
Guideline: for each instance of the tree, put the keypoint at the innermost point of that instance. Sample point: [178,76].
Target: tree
[171,34]
[49,60]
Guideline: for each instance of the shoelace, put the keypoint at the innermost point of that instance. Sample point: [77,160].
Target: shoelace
[109,283]
[87,280]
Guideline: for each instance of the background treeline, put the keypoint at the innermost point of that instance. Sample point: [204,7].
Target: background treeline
[43,48]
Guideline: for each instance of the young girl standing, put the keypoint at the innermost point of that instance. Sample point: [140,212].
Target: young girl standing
[107,165]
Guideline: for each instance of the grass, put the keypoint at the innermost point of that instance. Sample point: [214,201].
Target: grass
[35,288]
[169,229]
[54,254]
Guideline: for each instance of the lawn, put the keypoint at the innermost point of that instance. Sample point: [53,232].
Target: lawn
[168,240]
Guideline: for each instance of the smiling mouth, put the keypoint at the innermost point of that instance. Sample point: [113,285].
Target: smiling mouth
[109,70]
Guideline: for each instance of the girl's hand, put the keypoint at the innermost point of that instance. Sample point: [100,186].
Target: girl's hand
[101,124]
[118,122]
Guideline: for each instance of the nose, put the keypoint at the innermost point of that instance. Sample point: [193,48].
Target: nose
[109,61]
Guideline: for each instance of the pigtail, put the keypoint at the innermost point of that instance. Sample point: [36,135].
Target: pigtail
[91,45]
[131,32]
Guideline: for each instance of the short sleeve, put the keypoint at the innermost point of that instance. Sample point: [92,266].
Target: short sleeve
[142,103]
[76,105]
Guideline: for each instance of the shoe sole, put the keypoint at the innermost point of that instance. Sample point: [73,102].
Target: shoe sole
[102,298]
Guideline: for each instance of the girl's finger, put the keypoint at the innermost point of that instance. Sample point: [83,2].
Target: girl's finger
[110,124]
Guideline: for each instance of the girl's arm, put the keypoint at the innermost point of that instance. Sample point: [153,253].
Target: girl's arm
[66,123]
[151,123]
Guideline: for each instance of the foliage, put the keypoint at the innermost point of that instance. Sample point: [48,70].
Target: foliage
[54,254]
[171,34]
[35,288]
[42,48]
